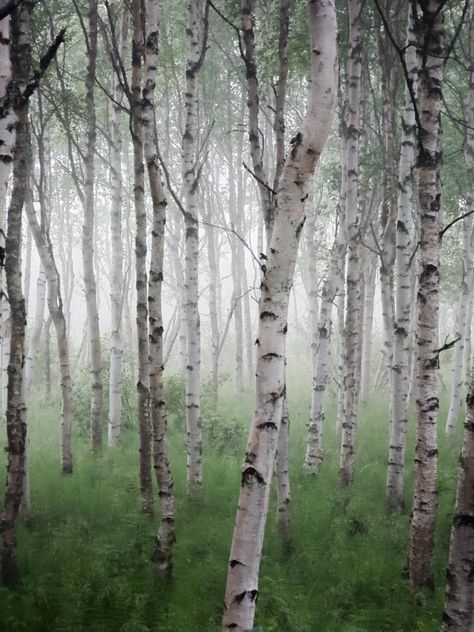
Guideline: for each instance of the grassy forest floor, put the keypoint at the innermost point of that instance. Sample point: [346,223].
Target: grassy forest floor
[84,550]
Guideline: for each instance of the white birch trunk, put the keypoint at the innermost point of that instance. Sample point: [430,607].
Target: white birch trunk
[141,281]
[242,579]
[353,321]
[88,230]
[458,615]
[116,282]
[165,538]
[196,29]
[320,353]
[423,520]
[404,250]
[367,329]
[458,373]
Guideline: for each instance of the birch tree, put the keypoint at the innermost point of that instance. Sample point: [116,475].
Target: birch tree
[166,535]
[458,613]
[116,290]
[353,308]
[277,274]
[196,32]
[422,528]
[404,251]
[88,234]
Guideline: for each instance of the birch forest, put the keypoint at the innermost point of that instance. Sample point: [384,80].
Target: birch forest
[236,315]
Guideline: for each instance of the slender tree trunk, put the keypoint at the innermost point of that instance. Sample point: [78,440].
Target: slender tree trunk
[55,305]
[334,280]
[116,290]
[353,321]
[16,422]
[404,251]
[166,536]
[140,263]
[458,613]
[196,31]
[467,260]
[423,520]
[242,579]
[367,329]
[88,237]
[38,320]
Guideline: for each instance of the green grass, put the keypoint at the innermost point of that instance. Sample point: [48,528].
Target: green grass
[84,550]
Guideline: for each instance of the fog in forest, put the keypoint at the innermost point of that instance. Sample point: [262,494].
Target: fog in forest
[236,315]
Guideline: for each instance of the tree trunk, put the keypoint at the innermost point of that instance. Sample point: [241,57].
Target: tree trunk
[16,422]
[140,263]
[458,613]
[88,237]
[116,282]
[242,579]
[423,521]
[367,328]
[404,251]
[353,321]
[334,280]
[196,31]
[162,552]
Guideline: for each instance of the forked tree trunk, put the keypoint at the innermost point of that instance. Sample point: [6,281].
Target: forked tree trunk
[404,251]
[143,391]
[353,320]
[423,520]
[165,538]
[242,579]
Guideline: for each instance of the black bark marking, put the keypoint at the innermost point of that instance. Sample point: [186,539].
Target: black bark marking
[250,473]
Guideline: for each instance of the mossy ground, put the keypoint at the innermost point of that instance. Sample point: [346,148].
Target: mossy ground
[84,550]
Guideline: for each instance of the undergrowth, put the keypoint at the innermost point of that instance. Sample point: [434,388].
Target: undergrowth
[84,549]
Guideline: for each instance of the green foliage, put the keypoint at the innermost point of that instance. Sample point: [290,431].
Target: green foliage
[85,548]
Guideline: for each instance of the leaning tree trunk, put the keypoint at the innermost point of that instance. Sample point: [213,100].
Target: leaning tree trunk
[404,252]
[242,579]
[166,536]
[196,31]
[55,305]
[423,520]
[88,237]
[353,321]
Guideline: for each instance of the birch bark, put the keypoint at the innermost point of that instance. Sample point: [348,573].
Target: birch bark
[352,330]
[404,251]
[242,579]
[116,290]
[88,230]
[165,538]
[143,391]
[422,529]
[196,31]
[462,325]
[458,613]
